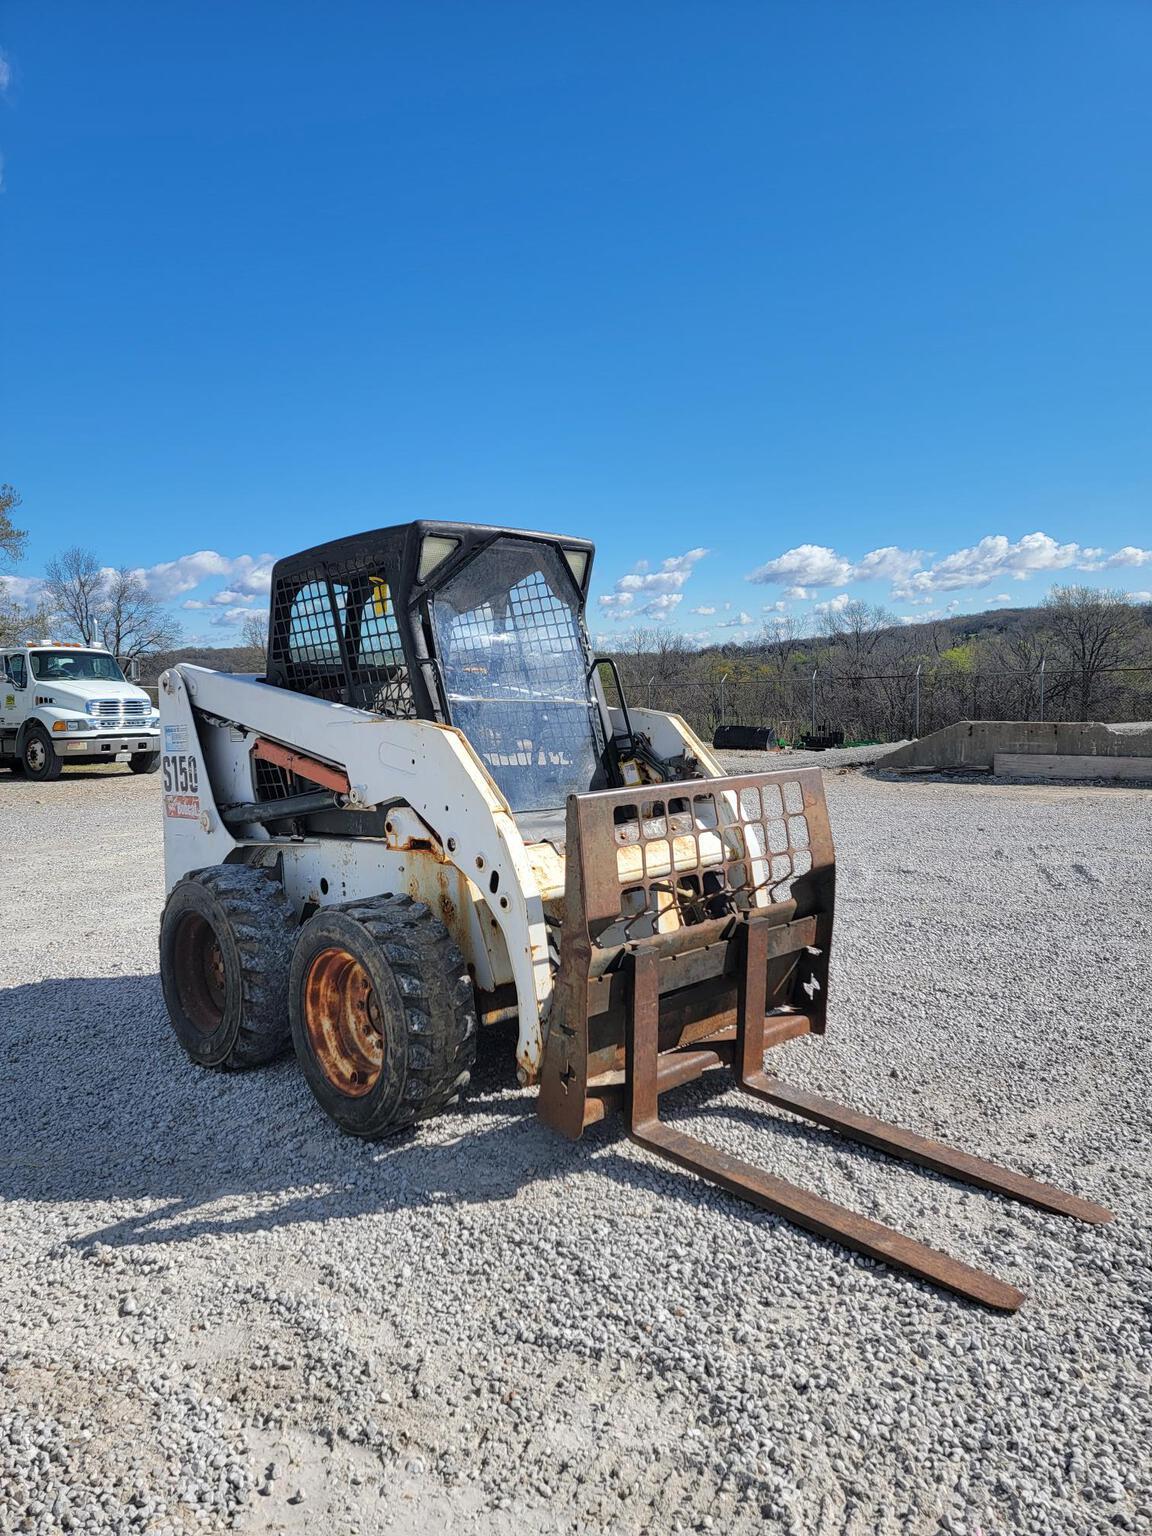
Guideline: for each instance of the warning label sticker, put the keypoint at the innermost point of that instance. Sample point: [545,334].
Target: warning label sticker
[182,806]
[175,738]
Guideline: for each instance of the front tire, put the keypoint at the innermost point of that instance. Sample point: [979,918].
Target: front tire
[383,1014]
[38,757]
[144,762]
[225,952]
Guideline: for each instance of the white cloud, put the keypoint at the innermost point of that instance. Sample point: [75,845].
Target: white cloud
[670,577]
[230,618]
[1129,555]
[912,575]
[5,73]
[808,565]
[252,576]
[1001,597]
[835,604]
[192,604]
[248,575]
[888,564]
[705,610]
[23,589]
[799,594]
[1141,597]
[660,590]
[741,621]
[662,605]
[995,557]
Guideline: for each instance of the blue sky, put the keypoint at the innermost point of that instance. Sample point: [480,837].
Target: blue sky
[788,283]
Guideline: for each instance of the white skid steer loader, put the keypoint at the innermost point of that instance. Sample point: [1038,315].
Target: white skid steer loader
[427,817]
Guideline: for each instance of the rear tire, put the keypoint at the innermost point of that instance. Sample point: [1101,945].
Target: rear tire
[38,757]
[144,762]
[225,951]
[383,1014]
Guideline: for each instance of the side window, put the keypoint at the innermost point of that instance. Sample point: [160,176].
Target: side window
[17,671]
[312,633]
[379,635]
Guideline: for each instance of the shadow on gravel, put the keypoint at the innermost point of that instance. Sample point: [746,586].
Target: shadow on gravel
[98,1103]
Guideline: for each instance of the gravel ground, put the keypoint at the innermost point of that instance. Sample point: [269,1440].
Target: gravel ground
[219,1314]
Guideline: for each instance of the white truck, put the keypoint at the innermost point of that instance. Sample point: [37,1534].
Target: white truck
[66,702]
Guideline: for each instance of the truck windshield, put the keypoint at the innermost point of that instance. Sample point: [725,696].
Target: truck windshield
[73,666]
[511,651]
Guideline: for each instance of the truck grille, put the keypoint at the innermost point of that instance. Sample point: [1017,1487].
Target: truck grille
[122,709]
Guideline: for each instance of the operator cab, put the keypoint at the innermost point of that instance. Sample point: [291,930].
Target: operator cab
[477,627]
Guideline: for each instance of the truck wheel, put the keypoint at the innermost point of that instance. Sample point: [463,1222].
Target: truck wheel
[38,756]
[383,1013]
[225,951]
[144,762]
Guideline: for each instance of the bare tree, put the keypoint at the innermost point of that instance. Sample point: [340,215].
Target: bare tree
[19,622]
[11,537]
[254,633]
[133,623]
[1092,630]
[857,628]
[74,585]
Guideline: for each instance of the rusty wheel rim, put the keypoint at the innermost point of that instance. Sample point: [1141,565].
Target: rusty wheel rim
[342,1018]
[199,968]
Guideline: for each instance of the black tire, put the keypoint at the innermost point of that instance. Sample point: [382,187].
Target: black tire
[38,757]
[383,1014]
[144,762]
[225,952]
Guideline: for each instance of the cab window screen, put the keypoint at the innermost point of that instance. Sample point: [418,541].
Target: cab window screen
[312,633]
[380,672]
[513,658]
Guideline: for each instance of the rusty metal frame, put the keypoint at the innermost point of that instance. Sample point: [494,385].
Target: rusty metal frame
[302,765]
[635,1018]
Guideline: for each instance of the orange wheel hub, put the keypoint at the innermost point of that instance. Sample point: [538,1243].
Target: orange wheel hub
[342,1017]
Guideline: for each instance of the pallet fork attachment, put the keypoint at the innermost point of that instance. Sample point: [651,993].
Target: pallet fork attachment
[696,928]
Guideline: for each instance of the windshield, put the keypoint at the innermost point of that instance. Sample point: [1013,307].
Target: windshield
[512,656]
[73,666]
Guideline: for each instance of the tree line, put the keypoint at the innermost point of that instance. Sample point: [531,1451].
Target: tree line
[1084,653]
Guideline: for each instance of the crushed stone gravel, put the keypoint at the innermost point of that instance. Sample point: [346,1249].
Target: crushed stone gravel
[220,1314]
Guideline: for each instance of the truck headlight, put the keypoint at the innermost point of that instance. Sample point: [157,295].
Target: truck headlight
[70,725]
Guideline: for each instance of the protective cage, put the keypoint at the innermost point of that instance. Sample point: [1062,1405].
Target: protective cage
[349,620]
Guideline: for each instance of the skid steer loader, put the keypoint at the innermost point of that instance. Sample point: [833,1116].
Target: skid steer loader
[428,817]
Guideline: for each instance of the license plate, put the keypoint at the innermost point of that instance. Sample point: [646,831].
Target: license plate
[122,757]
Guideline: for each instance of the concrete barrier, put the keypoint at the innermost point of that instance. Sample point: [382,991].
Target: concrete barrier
[1071,765]
[975,743]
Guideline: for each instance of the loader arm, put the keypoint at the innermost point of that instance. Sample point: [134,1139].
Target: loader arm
[211,721]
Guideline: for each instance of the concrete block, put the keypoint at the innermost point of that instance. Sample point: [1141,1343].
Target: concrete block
[1071,765]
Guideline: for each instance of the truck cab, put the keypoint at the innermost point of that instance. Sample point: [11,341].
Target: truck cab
[64,702]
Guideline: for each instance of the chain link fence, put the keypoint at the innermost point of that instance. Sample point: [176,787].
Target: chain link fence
[892,706]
